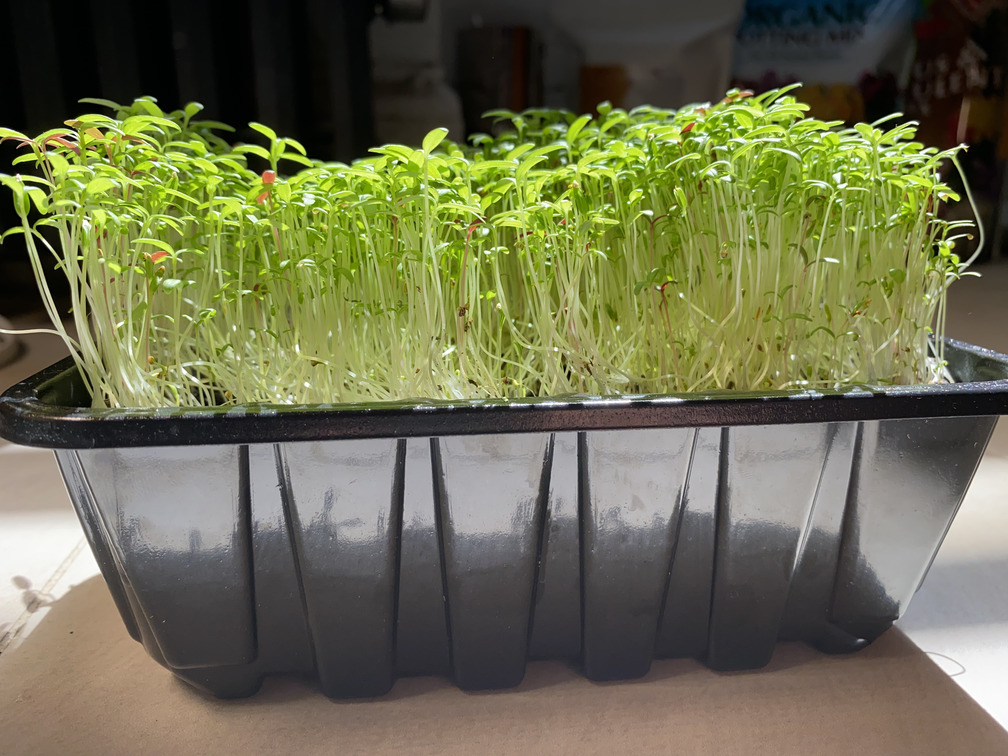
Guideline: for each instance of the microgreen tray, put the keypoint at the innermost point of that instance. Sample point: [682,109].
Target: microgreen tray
[362,543]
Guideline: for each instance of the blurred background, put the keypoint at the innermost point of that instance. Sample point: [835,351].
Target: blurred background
[344,75]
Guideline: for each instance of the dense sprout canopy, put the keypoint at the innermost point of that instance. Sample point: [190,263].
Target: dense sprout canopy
[735,245]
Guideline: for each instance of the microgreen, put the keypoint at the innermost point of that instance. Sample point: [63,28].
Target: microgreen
[735,245]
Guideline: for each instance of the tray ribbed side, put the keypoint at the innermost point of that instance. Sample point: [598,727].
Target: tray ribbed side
[631,498]
[176,533]
[360,561]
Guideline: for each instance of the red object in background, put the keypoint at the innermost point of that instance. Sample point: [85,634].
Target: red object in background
[957,94]
[958,77]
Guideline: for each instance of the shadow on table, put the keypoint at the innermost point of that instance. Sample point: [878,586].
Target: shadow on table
[79,684]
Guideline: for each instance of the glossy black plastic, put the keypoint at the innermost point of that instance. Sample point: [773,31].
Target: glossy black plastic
[363,543]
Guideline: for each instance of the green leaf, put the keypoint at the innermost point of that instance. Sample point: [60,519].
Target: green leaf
[500,114]
[39,198]
[518,151]
[58,164]
[115,106]
[487,201]
[575,128]
[433,139]
[546,149]
[294,157]
[140,125]
[527,165]
[17,188]
[417,158]
[266,131]
[398,151]
[205,165]
[11,134]
[898,274]
[461,208]
[191,109]
[158,243]
[744,118]
[147,105]
[253,149]
[100,185]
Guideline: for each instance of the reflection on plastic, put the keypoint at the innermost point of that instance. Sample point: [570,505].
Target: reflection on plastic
[359,561]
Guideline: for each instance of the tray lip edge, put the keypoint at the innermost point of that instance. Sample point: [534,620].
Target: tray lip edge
[28,420]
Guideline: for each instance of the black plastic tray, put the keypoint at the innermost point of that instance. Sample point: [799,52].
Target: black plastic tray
[362,543]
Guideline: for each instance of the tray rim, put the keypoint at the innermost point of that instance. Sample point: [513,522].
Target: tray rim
[27,418]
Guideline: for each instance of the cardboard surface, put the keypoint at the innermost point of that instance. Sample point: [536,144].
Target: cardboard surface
[78,684]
